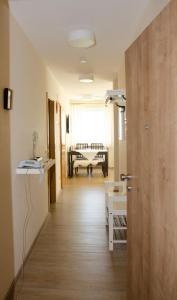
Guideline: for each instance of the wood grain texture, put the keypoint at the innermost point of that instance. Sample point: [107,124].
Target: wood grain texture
[63,164]
[71,259]
[151,68]
[52,171]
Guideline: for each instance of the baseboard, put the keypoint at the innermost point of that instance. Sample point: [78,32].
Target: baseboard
[11,292]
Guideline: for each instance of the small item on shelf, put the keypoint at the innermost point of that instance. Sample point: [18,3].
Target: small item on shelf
[38,158]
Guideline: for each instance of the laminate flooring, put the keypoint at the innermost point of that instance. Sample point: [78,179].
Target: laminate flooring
[71,260]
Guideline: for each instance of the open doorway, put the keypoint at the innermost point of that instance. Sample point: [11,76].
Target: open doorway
[91,141]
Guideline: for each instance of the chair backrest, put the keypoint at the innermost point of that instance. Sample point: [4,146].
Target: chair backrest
[81,145]
[99,156]
[97,146]
[80,156]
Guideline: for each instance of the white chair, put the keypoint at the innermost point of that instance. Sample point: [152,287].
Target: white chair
[83,163]
[116,211]
[80,160]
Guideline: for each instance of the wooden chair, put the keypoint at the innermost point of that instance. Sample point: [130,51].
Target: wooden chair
[81,163]
[81,145]
[99,158]
[97,146]
[80,160]
[116,212]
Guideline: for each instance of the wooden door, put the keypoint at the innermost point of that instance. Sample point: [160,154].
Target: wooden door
[63,165]
[63,147]
[151,71]
[62,150]
[51,145]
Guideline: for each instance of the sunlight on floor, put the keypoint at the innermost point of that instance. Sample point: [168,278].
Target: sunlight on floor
[83,179]
[70,259]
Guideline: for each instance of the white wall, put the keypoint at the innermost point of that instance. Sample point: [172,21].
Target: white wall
[122,157]
[30,80]
[110,134]
[6,234]
[122,144]
[120,147]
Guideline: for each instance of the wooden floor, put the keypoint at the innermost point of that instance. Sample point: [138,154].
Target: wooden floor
[70,260]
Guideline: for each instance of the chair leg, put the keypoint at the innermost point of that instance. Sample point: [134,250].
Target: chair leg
[88,170]
[103,170]
[110,232]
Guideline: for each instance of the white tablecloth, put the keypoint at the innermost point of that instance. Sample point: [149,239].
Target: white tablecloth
[90,153]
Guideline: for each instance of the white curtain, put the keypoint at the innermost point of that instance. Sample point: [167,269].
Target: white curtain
[90,124]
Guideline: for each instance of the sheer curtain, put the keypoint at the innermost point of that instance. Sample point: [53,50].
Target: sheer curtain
[89,124]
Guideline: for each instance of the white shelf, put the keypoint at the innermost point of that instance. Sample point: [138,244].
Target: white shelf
[29,171]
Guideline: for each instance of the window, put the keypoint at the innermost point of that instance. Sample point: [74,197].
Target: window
[88,124]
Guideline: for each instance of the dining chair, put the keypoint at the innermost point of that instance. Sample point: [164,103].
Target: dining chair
[98,159]
[97,146]
[81,145]
[116,212]
[81,163]
[80,160]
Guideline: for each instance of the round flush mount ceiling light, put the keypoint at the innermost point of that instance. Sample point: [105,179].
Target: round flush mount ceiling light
[82,38]
[83,60]
[86,78]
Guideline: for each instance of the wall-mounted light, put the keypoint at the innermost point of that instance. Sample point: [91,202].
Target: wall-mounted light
[83,60]
[116,97]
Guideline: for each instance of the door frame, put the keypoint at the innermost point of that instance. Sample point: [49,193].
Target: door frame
[51,149]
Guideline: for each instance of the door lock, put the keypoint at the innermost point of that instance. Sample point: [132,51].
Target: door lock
[130,188]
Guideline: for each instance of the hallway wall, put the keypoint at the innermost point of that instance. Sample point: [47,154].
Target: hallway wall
[30,80]
[120,147]
[25,73]
[6,235]
[122,144]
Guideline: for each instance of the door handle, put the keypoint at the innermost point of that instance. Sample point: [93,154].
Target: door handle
[125,177]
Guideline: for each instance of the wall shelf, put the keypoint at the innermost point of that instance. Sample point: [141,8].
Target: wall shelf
[36,171]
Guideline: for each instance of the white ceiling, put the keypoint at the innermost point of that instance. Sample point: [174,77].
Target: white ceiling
[116,24]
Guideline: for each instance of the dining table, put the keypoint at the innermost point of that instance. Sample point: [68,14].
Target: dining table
[89,154]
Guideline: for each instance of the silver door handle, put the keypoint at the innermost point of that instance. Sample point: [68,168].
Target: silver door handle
[130,188]
[125,177]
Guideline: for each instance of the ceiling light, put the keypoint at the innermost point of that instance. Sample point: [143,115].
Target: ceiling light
[82,38]
[86,78]
[83,60]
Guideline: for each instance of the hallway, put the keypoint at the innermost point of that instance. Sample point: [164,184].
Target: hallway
[71,259]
